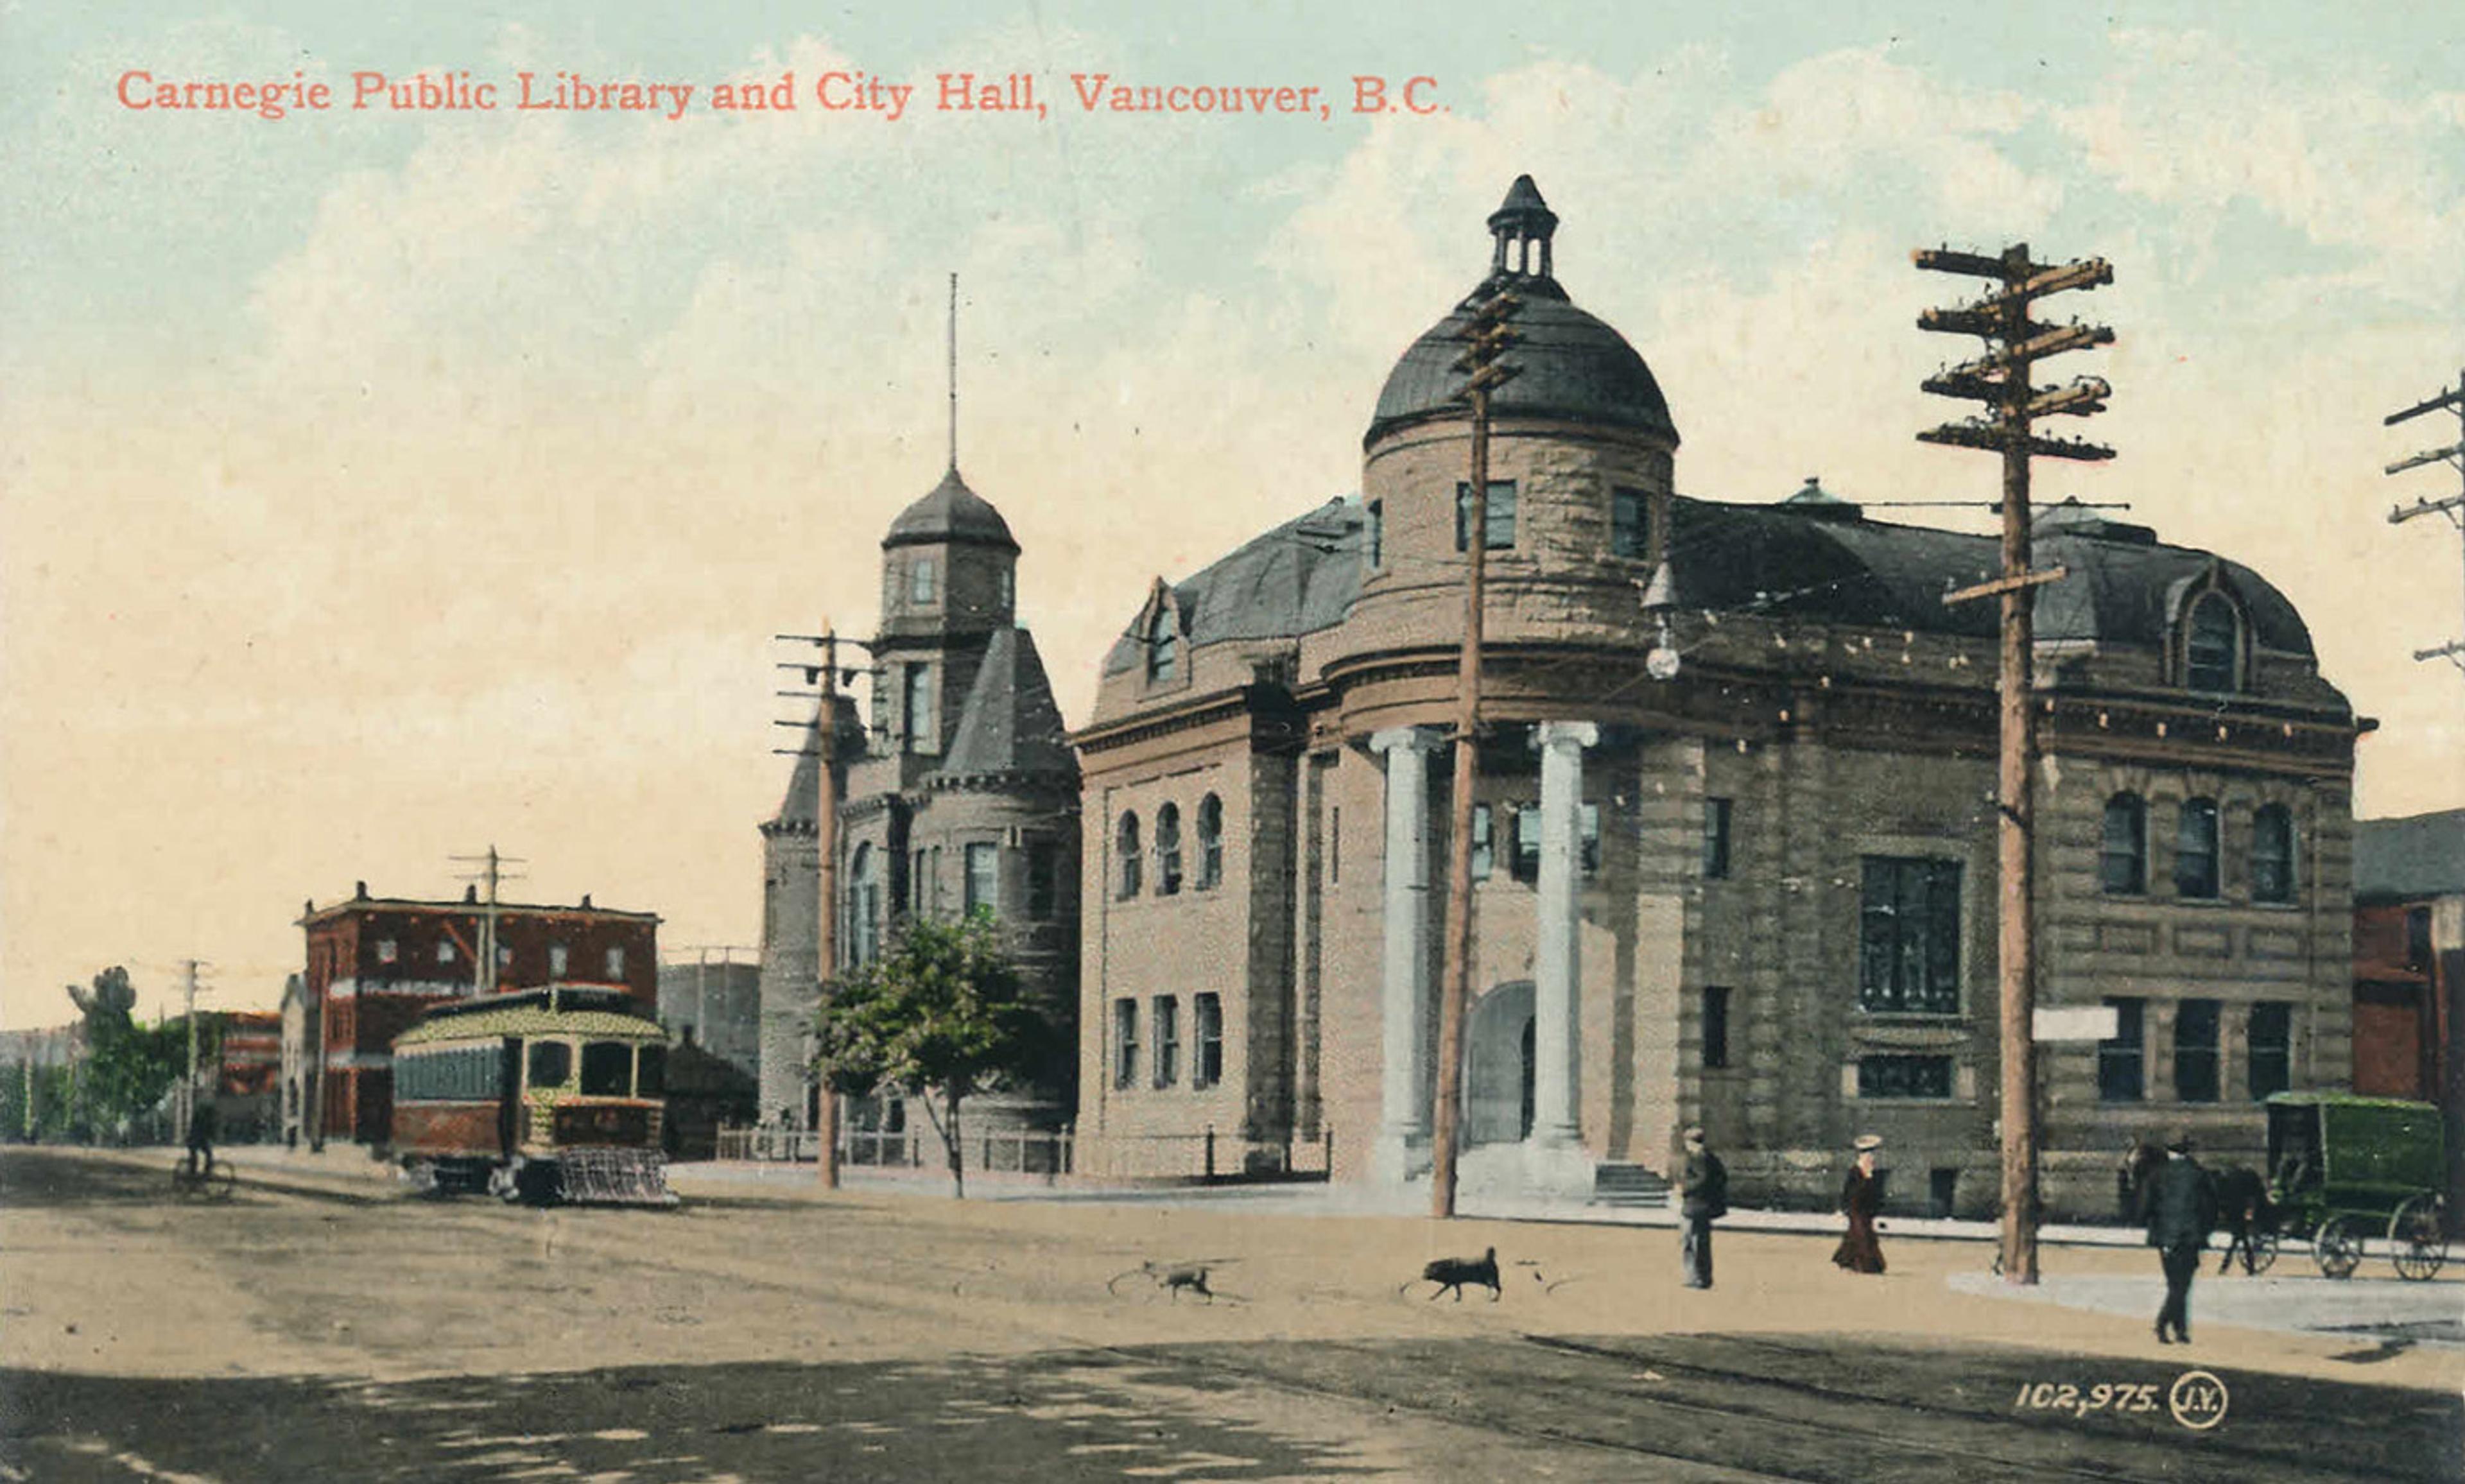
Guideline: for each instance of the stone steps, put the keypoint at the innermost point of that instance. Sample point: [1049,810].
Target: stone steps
[1627,1184]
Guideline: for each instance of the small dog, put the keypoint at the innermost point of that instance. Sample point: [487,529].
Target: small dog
[1454,1273]
[1171,1278]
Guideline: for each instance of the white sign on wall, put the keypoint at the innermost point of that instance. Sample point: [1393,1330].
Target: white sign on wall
[2075,1022]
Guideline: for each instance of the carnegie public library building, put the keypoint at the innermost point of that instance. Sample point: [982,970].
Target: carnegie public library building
[1755,890]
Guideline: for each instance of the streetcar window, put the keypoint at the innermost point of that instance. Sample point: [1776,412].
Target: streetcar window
[551,1063]
[607,1068]
[650,1072]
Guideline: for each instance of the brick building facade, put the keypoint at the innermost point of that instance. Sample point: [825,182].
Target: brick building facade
[1755,893]
[2410,969]
[375,964]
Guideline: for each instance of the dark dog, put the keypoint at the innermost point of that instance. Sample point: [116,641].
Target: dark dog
[2247,1213]
[1454,1273]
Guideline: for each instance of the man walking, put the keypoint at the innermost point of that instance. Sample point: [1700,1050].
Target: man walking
[2181,1211]
[1702,1198]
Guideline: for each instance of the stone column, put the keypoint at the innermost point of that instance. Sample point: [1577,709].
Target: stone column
[1402,1148]
[1556,1037]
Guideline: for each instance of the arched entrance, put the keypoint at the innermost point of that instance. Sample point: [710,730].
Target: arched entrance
[1498,1067]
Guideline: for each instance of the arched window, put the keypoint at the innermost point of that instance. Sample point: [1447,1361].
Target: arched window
[2211,644]
[1163,645]
[2195,848]
[1210,842]
[1125,849]
[2124,856]
[1167,849]
[864,905]
[2272,854]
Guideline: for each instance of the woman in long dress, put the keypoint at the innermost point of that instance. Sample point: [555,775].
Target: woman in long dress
[1861,1198]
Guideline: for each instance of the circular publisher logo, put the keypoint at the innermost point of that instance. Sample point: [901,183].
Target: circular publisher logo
[2197,1399]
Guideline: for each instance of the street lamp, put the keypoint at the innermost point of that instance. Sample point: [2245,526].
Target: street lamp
[1660,600]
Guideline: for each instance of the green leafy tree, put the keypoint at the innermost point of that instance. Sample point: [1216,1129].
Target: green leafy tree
[128,1067]
[941,1015]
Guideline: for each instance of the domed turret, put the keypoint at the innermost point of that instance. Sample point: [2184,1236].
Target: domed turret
[1571,366]
[951,513]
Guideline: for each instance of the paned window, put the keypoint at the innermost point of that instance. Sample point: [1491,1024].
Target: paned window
[1484,845]
[1715,839]
[1904,1076]
[1376,532]
[1167,849]
[2211,644]
[651,1072]
[2196,1051]
[2272,854]
[557,959]
[1630,535]
[1528,842]
[915,715]
[1500,515]
[1908,960]
[551,1062]
[2195,848]
[1167,1040]
[607,1068]
[2122,1063]
[1125,853]
[1207,1010]
[2123,859]
[1588,839]
[616,962]
[984,878]
[1163,645]
[1125,1043]
[1210,842]
[921,581]
[2270,1058]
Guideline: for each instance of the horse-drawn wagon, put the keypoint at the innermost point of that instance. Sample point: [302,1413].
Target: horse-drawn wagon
[2346,1169]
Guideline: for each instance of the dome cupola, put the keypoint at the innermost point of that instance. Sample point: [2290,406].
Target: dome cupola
[1571,366]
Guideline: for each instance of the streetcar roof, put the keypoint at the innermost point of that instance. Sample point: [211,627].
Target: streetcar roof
[562,1009]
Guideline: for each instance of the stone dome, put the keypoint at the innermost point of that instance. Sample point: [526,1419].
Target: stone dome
[1570,364]
[952,512]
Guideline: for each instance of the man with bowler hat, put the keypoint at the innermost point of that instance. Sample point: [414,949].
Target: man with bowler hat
[2181,1211]
[1702,1198]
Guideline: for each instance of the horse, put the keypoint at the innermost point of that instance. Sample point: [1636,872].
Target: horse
[2246,1211]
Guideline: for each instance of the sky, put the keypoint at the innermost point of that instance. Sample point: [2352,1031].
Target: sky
[379,485]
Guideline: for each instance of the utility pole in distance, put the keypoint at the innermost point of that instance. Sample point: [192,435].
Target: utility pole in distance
[2454,506]
[2000,379]
[1487,339]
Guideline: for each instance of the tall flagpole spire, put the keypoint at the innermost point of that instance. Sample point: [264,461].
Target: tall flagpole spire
[954,373]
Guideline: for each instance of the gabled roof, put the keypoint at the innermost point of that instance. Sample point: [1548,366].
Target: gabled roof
[2407,859]
[1296,579]
[1008,722]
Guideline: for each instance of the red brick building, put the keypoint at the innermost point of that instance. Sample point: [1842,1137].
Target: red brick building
[2410,968]
[375,964]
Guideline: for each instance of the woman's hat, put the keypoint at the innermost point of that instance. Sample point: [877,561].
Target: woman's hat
[1867,1143]
[1695,1133]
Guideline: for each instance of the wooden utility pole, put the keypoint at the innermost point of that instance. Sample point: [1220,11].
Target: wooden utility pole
[2000,379]
[2454,506]
[187,1103]
[826,849]
[1486,338]
[493,875]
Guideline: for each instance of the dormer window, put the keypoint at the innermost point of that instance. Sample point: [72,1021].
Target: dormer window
[1163,645]
[921,583]
[2211,645]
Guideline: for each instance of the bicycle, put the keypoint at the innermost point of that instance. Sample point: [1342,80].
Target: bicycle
[215,1182]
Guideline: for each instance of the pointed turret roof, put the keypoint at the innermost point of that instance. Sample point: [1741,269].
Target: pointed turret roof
[1009,723]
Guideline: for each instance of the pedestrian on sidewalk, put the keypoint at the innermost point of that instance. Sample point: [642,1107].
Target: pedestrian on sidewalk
[1861,1200]
[2181,1211]
[1702,1198]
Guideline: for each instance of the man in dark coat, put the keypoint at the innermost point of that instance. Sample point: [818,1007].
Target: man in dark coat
[2181,1210]
[1702,1198]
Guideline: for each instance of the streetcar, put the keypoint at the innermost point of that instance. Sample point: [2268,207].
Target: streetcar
[545,1096]
[2344,1169]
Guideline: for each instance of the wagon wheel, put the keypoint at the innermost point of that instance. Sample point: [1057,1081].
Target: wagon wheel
[2263,1251]
[2337,1246]
[2418,1231]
